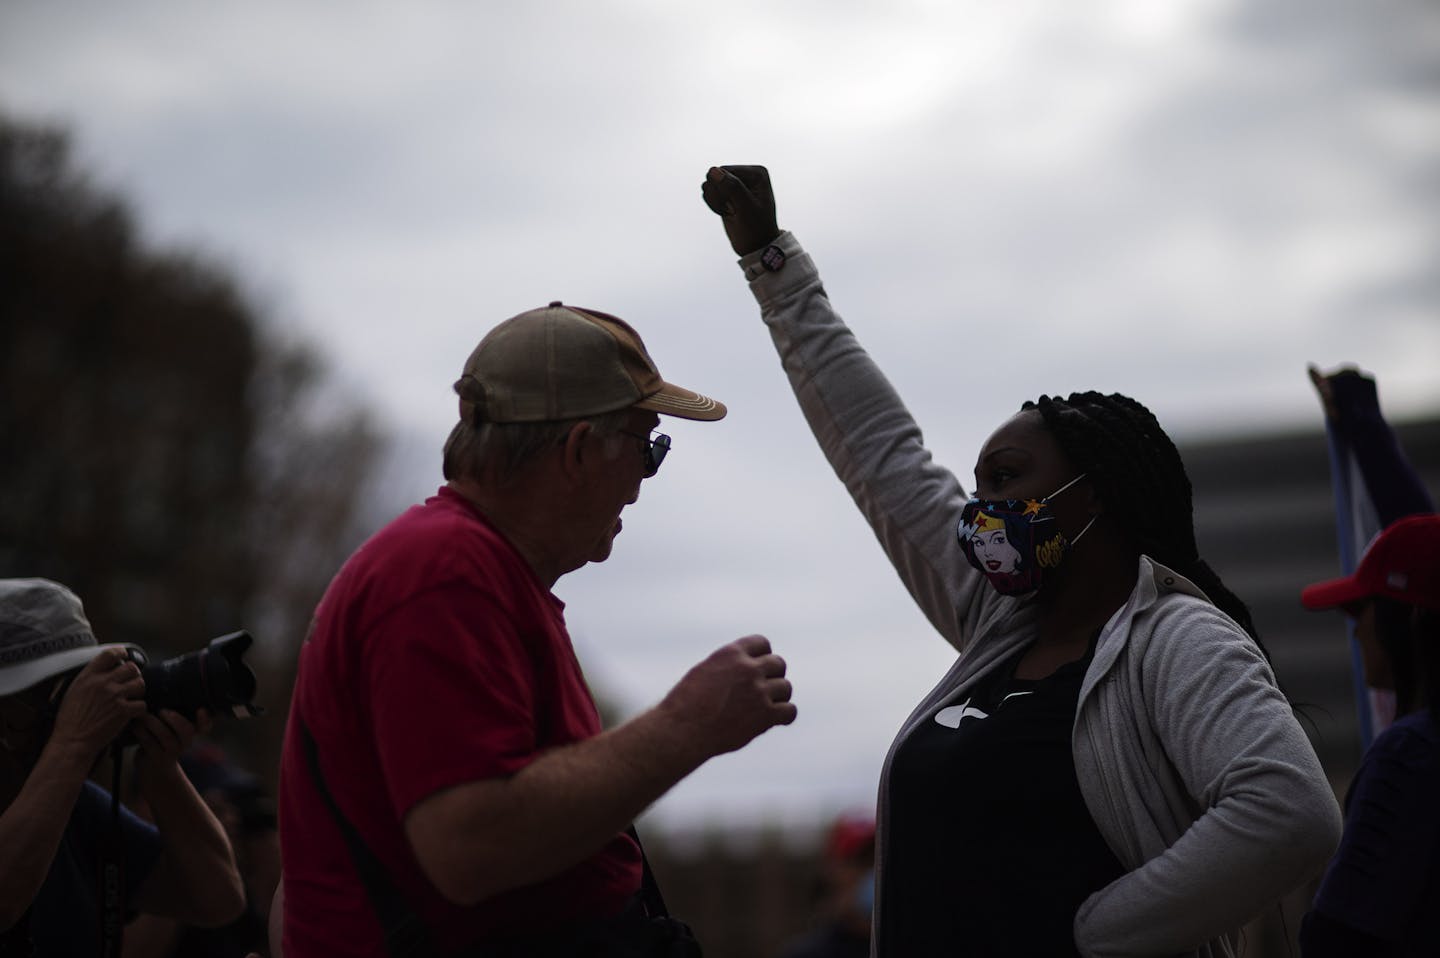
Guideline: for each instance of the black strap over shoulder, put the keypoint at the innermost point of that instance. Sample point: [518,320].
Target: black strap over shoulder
[650,896]
[650,934]
[405,934]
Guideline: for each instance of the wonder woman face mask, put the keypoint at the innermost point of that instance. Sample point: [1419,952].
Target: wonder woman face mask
[1013,541]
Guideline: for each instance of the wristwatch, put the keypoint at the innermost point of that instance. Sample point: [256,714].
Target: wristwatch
[770,260]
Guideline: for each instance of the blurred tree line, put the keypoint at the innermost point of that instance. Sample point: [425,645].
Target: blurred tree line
[161,451]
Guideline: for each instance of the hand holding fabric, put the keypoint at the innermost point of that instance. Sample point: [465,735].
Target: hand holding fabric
[1324,385]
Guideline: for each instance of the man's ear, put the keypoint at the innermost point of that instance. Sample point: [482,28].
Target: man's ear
[573,451]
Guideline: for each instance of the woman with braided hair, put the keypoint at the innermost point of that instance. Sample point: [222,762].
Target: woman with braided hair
[1109,766]
[1132,459]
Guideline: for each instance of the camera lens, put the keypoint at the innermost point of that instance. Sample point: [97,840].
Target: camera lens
[214,678]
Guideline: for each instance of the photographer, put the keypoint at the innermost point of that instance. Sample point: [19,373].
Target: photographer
[63,700]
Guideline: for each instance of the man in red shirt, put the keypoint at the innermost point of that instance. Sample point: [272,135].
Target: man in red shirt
[452,727]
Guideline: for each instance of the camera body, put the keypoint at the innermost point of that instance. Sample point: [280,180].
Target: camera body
[214,678]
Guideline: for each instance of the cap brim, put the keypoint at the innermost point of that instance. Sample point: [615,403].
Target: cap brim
[21,677]
[672,400]
[1334,593]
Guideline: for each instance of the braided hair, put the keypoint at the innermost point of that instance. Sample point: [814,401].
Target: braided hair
[1125,454]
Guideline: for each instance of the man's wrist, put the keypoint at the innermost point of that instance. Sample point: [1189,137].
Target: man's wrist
[672,738]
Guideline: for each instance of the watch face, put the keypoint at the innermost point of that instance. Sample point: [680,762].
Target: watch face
[772,259]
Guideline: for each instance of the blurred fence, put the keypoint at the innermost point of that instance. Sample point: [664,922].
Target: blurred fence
[747,898]
[743,895]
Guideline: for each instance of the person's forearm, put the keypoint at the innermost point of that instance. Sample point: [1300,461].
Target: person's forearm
[33,824]
[482,837]
[196,878]
[487,837]
[1395,488]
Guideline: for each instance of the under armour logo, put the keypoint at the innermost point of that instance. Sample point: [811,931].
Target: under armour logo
[952,716]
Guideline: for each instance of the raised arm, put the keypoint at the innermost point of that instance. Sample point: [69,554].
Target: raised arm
[873,443]
[1352,407]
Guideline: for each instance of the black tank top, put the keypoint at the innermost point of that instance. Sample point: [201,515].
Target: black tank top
[991,849]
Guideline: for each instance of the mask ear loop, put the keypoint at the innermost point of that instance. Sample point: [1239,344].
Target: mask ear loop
[1064,487]
[1083,531]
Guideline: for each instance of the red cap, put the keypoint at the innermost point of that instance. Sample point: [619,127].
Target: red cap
[851,836]
[1403,563]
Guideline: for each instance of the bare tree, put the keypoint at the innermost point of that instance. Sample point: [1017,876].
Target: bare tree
[159,452]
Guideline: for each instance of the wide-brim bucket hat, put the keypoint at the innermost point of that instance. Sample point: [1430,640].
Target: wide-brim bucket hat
[43,633]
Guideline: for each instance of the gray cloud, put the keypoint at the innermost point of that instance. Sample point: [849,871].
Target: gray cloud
[1185,202]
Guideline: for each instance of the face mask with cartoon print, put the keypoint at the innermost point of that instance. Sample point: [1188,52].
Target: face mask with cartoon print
[1012,542]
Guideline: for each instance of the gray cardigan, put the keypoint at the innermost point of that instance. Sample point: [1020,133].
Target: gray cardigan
[1189,758]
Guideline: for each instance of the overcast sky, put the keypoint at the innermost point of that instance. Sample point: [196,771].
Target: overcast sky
[1184,201]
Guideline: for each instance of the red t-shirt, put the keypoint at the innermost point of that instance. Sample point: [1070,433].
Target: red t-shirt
[435,658]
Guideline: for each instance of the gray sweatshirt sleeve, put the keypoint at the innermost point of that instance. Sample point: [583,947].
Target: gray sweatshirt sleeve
[1234,763]
[874,445]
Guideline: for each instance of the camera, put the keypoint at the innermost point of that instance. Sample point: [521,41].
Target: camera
[214,678]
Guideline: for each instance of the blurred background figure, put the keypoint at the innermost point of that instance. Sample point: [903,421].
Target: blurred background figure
[847,890]
[1374,484]
[1381,893]
[246,809]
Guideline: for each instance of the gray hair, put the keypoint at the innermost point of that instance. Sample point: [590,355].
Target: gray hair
[500,450]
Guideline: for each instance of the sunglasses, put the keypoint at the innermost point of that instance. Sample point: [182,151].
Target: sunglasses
[655,450]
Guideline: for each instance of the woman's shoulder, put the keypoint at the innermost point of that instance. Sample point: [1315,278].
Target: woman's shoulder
[1179,632]
[1168,607]
[1179,609]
